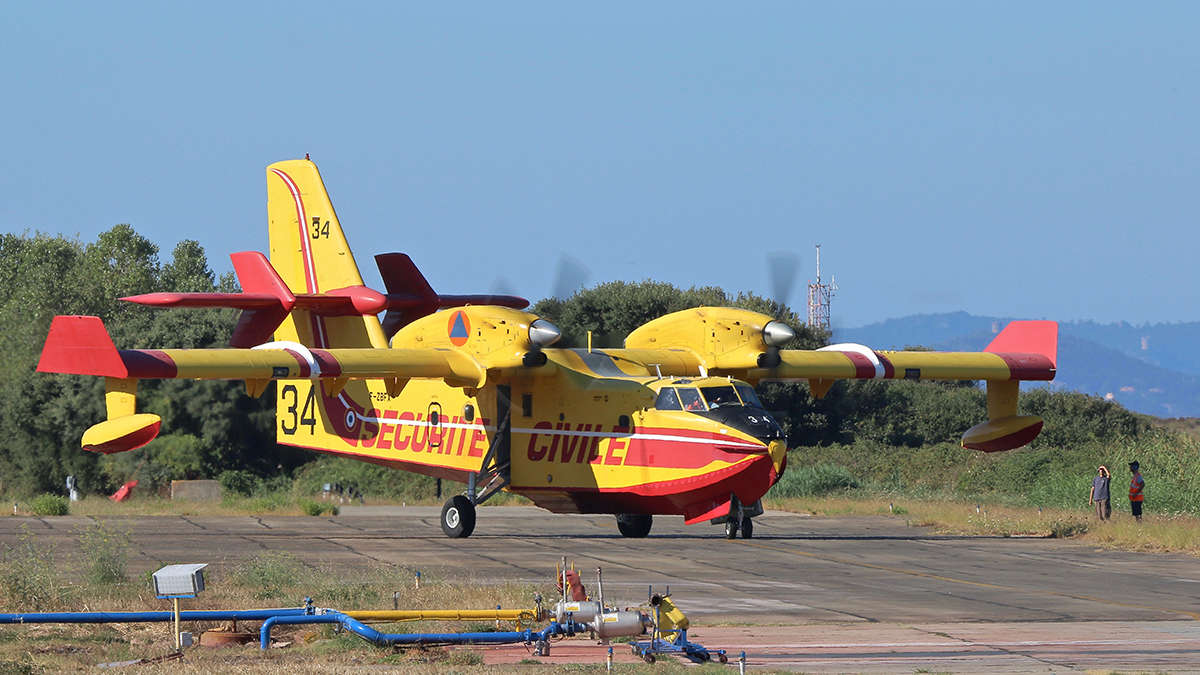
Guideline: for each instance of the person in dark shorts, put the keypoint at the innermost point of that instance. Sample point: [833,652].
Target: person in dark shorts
[1099,496]
[1137,488]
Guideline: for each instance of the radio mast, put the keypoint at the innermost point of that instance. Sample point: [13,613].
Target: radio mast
[819,294]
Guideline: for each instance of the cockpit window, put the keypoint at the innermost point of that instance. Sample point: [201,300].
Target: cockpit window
[690,397]
[748,396]
[719,396]
[667,400]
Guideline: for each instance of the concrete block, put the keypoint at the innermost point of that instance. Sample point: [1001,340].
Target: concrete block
[196,490]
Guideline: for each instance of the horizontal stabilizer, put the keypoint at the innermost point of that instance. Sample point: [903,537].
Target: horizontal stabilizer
[80,345]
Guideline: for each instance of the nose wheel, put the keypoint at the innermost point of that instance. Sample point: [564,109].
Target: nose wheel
[458,517]
[634,525]
[745,526]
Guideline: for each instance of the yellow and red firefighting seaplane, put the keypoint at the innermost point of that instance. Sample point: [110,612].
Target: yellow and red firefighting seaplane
[468,388]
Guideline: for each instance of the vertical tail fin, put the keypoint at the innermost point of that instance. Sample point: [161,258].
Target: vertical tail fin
[311,255]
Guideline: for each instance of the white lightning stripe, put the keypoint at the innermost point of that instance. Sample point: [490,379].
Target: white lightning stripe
[301,216]
[647,437]
[296,349]
[420,423]
[861,350]
[565,432]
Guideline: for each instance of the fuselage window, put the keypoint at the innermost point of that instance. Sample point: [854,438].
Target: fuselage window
[667,400]
[748,396]
[690,398]
[719,396]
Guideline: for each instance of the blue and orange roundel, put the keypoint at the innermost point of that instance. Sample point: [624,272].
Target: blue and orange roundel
[459,328]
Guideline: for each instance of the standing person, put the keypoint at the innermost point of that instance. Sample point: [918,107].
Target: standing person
[1099,495]
[1137,487]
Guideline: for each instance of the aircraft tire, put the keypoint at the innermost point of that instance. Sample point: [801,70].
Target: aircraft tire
[458,517]
[634,525]
[731,529]
[747,528]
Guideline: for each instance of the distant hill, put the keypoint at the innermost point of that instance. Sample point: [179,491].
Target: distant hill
[1152,369]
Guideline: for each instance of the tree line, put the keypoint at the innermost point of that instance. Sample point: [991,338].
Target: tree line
[212,427]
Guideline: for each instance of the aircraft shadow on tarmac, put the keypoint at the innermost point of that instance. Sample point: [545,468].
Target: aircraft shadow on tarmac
[757,537]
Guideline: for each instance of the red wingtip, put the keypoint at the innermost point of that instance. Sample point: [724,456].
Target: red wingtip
[1028,337]
[80,345]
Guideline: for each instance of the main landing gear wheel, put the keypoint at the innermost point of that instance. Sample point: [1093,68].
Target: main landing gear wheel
[634,525]
[458,517]
[747,527]
[731,528]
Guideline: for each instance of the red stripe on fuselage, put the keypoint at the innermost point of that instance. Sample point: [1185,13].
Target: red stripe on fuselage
[863,368]
[305,370]
[1028,366]
[749,481]
[329,365]
[148,363]
[889,371]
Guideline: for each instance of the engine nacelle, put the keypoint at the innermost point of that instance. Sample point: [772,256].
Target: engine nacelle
[498,337]
[719,336]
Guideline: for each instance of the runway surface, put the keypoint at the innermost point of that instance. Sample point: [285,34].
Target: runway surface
[838,594]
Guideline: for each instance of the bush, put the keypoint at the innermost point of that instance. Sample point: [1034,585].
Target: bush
[50,505]
[238,482]
[311,508]
[371,479]
[105,552]
[813,481]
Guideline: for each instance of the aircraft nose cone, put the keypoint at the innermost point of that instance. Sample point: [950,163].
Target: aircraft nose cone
[778,451]
[777,333]
[542,333]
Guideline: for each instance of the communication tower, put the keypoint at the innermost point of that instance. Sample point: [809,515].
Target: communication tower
[819,294]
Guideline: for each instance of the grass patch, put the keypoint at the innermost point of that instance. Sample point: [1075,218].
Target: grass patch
[1156,533]
[105,551]
[27,575]
[812,481]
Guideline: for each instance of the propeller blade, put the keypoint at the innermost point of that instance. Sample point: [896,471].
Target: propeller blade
[570,276]
[782,269]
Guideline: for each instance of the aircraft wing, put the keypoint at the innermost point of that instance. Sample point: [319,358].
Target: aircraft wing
[1024,350]
[80,345]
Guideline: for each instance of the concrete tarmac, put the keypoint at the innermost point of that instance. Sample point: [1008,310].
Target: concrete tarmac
[841,594]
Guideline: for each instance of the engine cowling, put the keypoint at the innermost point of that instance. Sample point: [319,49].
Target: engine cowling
[721,336]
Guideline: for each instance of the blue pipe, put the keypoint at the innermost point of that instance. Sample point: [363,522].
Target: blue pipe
[139,617]
[387,639]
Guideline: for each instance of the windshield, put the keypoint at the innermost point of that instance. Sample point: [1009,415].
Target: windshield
[667,400]
[690,397]
[748,396]
[706,398]
[719,396]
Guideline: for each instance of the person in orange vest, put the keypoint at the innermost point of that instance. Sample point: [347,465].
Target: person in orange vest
[1137,487]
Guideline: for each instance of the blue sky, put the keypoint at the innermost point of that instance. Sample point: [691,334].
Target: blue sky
[1023,159]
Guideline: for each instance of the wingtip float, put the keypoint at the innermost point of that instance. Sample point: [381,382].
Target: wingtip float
[470,388]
